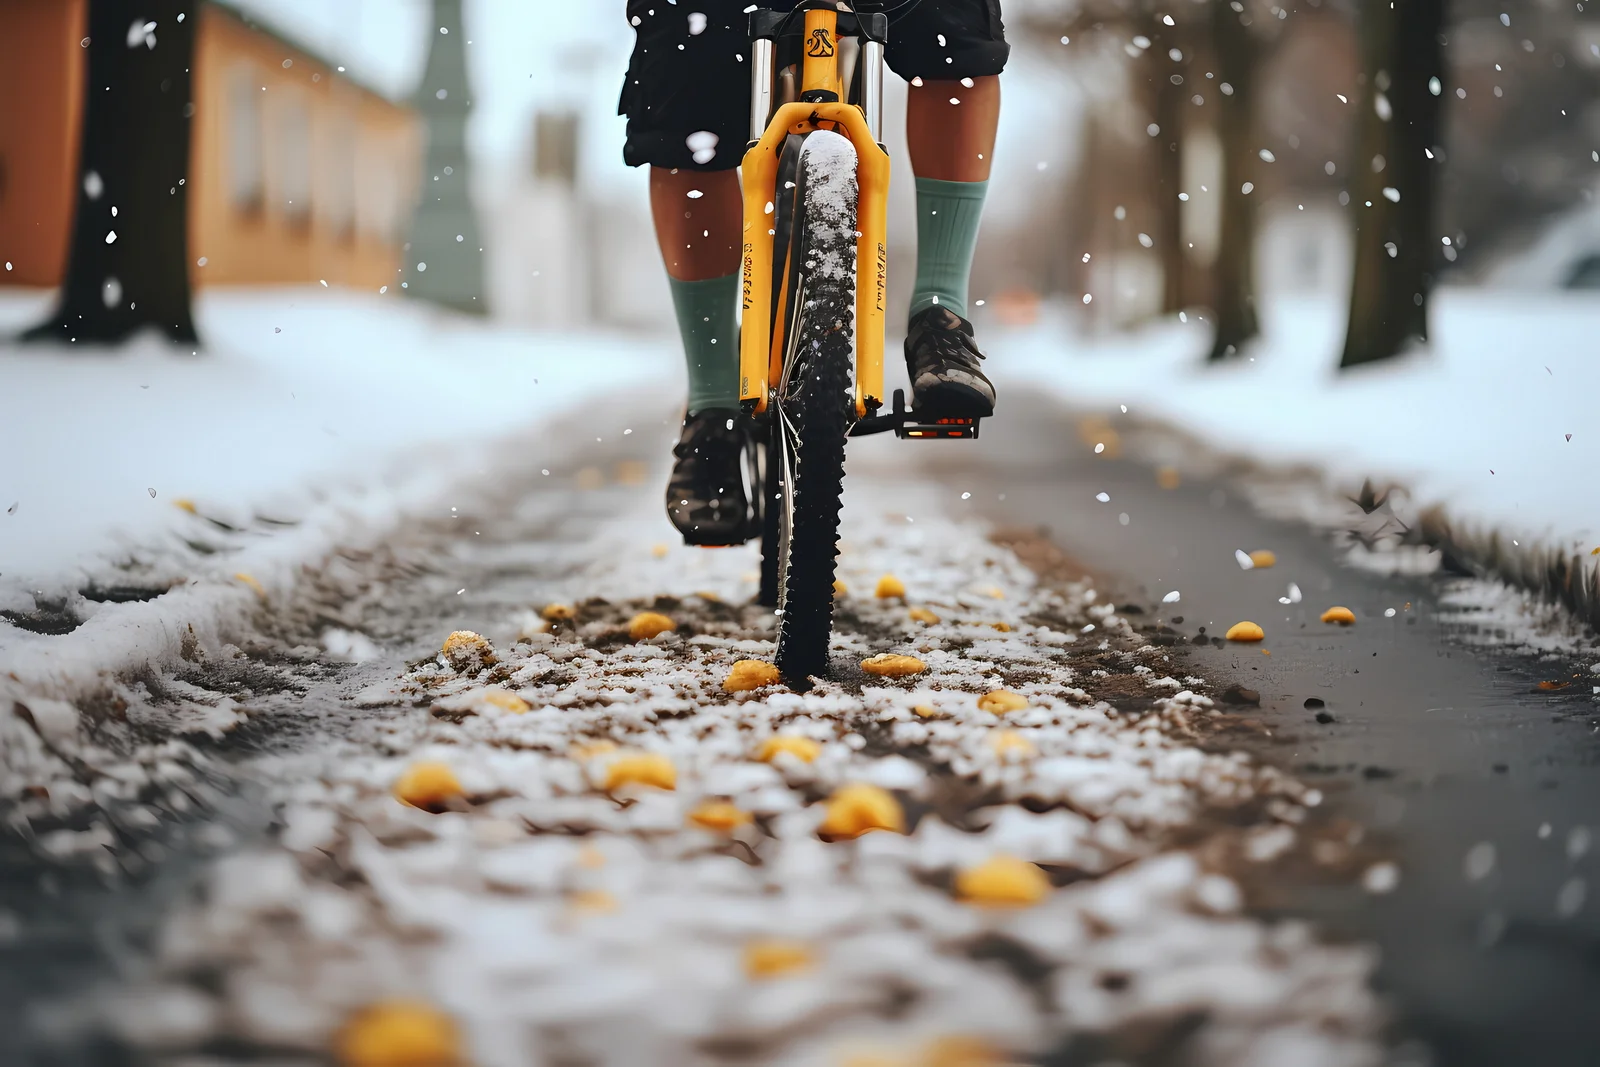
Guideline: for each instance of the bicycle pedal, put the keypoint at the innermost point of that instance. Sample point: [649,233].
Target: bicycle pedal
[943,429]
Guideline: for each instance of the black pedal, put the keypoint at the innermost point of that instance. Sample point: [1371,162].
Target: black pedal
[937,428]
[908,425]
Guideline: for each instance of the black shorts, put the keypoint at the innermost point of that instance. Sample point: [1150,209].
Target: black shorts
[687,95]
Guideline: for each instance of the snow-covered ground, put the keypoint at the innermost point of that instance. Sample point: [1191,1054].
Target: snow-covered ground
[311,419]
[1494,423]
[550,909]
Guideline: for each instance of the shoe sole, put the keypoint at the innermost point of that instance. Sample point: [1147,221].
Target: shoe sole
[952,400]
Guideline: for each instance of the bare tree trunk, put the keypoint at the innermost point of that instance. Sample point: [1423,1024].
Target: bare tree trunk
[1395,188]
[1235,296]
[1169,102]
[129,262]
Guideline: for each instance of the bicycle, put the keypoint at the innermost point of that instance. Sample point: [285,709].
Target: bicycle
[815,182]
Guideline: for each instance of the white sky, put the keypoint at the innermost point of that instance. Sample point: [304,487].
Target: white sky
[522,55]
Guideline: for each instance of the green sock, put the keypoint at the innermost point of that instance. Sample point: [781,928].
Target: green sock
[710,339]
[948,214]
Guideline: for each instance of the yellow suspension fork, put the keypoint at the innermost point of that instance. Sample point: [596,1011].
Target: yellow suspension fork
[760,172]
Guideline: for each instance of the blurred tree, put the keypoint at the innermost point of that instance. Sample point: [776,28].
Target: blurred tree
[1238,58]
[128,265]
[444,261]
[1396,177]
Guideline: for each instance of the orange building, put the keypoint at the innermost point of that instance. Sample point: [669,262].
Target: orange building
[297,174]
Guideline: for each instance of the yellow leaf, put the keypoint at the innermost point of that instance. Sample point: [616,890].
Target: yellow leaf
[719,815]
[1263,557]
[252,583]
[923,615]
[801,748]
[857,809]
[890,588]
[505,701]
[467,651]
[1003,882]
[1245,631]
[430,786]
[1167,478]
[641,768]
[585,750]
[840,589]
[593,900]
[648,624]
[1003,627]
[558,612]
[750,674]
[927,711]
[1342,616]
[1001,701]
[183,503]
[892,666]
[1006,743]
[773,958]
[659,551]
[398,1033]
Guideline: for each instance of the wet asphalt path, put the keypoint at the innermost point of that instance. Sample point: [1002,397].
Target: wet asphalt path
[1449,755]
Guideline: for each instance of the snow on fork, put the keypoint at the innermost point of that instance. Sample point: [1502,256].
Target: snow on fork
[557,903]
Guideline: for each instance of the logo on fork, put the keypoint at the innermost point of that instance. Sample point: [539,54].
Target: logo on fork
[819,46]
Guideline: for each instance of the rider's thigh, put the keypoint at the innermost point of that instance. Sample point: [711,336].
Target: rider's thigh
[687,94]
[946,39]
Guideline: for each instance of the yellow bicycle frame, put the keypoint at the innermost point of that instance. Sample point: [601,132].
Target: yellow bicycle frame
[760,359]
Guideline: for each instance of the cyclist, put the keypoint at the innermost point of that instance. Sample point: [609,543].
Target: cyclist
[687,99]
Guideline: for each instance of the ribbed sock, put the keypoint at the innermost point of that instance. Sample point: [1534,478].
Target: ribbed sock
[948,214]
[710,339]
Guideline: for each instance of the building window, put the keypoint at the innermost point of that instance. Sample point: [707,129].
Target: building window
[245,179]
[292,160]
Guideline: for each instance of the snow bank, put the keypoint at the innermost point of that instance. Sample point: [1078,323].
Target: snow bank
[1490,431]
[312,419]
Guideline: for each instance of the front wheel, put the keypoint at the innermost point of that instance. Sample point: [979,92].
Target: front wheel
[815,403]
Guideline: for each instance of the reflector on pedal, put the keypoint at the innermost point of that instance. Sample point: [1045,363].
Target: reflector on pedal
[940,428]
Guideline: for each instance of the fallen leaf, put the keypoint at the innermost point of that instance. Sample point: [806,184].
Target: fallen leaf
[719,815]
[1550,687]
[467,652]
[1245,631]
[1167,478]
[430,786]
[640,768]
[558,612]
[750,674]
[774,958]
[505,701]
[648,624]
[803,749]
[184,504]
[398,1033]
[1341,615]
[1003,627]
[596,901]
[888,665]
[1002,882]
[890,588]
[252,583]
[1008,743]
[1001,701]
[923,615]
[1263,557]
[857,809]
[926,711]
[659,551]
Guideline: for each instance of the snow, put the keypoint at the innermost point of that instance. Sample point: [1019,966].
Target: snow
[1478,424]
[311,419]
[550,919]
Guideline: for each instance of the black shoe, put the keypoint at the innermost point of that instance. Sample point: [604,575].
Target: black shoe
[942,360]
[706,497]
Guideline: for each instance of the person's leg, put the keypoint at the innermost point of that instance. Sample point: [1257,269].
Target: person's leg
[698,221]
[686,98]
[950,126]
[952,52]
